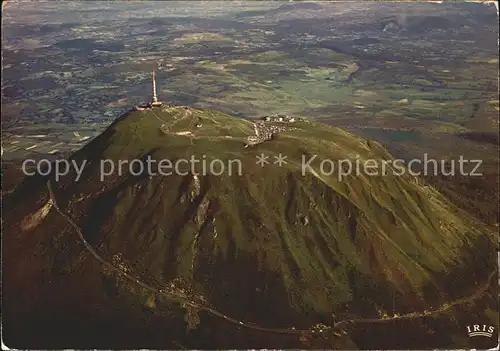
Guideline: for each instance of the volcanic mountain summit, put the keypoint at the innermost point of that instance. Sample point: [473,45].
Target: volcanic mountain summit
[236,251]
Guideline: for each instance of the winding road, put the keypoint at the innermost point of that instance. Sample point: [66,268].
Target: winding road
[182,299]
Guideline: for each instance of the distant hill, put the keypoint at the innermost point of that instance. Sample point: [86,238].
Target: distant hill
[296,6]
[273,247]
[301,6]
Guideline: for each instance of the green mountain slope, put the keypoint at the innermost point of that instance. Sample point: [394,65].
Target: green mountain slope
[275,245]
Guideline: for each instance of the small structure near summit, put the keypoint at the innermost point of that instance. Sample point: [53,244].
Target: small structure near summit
[280,118]
[154,101]
[265,132]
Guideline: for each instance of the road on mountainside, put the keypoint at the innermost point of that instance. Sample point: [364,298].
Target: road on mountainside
[446,306]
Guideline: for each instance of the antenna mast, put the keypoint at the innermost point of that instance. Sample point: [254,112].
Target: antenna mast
[155,98]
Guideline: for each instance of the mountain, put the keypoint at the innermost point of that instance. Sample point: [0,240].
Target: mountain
[241,255]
